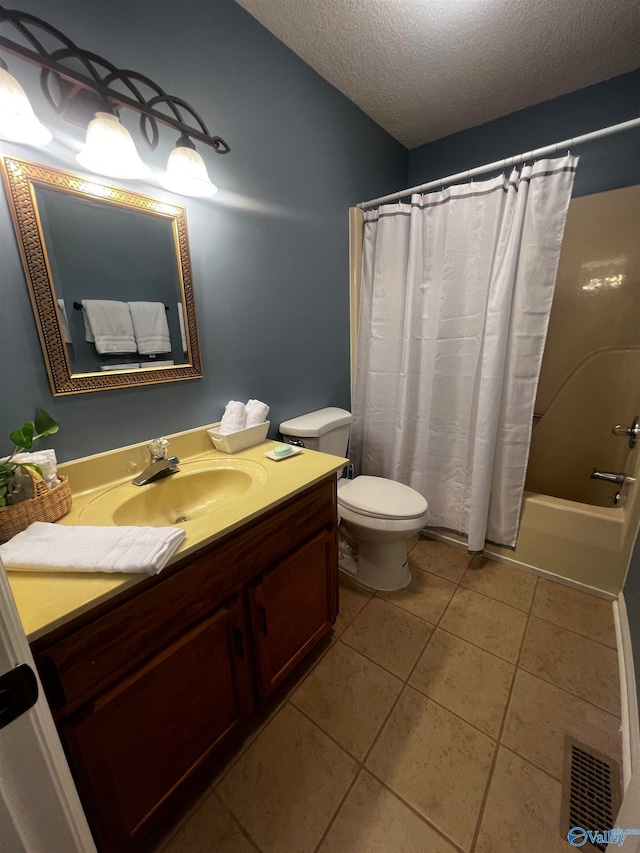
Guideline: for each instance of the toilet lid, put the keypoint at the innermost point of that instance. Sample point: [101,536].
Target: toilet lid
[382,498]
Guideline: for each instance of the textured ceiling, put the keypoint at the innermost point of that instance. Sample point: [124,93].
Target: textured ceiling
[423,69]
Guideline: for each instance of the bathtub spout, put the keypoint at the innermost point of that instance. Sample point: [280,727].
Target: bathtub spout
[620,479]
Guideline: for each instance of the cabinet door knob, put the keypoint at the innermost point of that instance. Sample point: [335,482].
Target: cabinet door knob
[265,627]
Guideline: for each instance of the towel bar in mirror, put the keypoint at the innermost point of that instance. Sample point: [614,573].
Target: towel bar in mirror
[82,240]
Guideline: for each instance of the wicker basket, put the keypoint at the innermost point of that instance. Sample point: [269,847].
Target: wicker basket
[45,505]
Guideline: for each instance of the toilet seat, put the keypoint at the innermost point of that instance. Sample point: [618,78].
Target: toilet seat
[378,497]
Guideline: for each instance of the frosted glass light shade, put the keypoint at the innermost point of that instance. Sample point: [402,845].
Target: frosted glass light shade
[110,150]
[187,174]
[18,122]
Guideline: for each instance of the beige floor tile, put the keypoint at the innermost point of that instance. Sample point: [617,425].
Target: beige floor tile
[465,679]
[210,828]
[295,679]
[349,697]
[352,599]
[412,541]
[373,820]
[539,717]
[426,596]
[441,559]
[436,762]
[286,787]
[388,635]
[575,663]
[522,812]
[490,624]
[502,582]
[579,611]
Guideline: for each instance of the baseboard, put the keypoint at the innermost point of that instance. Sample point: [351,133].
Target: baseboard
[628,693]
[452,539]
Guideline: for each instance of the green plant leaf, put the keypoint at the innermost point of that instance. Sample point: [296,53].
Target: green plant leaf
[30,465]
[3,491]
[23,437]
[45,424]
[2,501]
[7,468]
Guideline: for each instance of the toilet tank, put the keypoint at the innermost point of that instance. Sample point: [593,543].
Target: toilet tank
[326,430]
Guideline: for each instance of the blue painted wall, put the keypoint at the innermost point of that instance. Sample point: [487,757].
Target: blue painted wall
[269,252]
[605,164]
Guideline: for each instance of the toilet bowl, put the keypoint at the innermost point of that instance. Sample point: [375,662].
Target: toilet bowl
[377,515]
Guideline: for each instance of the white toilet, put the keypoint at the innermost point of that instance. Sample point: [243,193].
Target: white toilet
[377,515]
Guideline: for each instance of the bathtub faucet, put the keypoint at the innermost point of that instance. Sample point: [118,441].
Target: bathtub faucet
[620,479]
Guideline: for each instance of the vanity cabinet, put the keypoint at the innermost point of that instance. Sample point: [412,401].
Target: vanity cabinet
[290,610]
[148,686]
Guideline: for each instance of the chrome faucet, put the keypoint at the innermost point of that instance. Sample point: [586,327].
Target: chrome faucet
[161,465]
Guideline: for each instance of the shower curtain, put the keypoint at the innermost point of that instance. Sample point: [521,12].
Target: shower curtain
[454,308]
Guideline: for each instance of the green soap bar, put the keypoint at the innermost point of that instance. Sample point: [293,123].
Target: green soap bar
[283,450]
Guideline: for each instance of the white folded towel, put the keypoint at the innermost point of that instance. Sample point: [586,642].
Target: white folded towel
[44,459]
[169,363]
[235,415]
[64,322]
[256,413]
[108,324]
[183,334]
[150,327]
[46,547]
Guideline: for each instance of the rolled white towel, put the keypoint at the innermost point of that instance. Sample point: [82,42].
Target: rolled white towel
[234,418]
[256,413]
[46,547]
[44,459]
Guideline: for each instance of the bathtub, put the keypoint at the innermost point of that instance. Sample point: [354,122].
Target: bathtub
[574,543]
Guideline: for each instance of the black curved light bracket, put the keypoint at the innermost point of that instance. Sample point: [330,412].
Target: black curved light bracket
[93,85]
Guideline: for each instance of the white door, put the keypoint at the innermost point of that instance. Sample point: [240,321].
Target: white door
[39,807]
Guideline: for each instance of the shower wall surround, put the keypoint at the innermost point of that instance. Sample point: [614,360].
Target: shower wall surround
[269,252]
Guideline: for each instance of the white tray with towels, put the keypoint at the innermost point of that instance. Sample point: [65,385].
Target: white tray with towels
[234,442]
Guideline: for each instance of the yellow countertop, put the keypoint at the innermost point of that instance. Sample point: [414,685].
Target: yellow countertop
[46,600]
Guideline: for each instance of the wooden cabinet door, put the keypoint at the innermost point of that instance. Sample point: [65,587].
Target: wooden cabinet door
[134,746]
[292,606]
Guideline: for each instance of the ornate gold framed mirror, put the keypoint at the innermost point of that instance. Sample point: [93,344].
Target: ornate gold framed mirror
[109,275]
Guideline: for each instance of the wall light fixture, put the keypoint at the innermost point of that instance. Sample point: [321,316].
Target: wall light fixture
[84,88]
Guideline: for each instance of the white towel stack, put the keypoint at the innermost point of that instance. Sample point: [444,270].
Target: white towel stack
[108,325]
[256,413]
[239,416]
[55,547]
[44,459]
[234,418]
[150,327]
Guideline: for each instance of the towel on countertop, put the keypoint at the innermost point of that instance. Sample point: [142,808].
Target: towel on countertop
[256,413]
[108,325]
[233,420]
[150,327]
[46,547]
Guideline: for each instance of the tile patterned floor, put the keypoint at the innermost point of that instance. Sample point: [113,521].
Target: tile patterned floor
[431,721]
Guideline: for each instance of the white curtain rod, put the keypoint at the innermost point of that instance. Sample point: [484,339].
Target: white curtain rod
[508,161]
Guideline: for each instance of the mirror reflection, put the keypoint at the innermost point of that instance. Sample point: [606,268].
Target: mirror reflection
[116,283]
[110,279]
